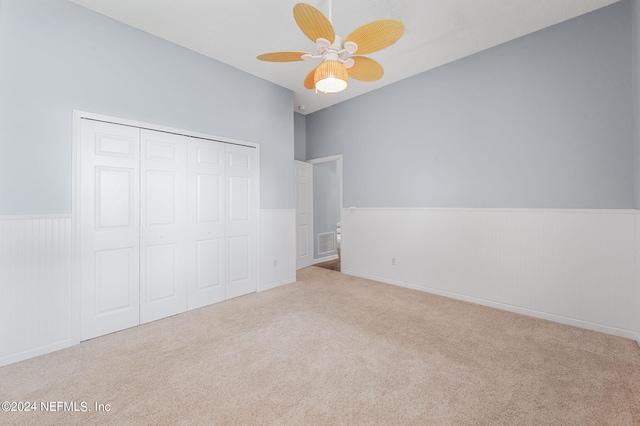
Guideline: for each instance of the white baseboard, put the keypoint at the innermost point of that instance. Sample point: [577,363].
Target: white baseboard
[638,338]
[290,280]
[31,353]
[506,307]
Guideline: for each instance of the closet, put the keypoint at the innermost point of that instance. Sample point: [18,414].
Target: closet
[168,222]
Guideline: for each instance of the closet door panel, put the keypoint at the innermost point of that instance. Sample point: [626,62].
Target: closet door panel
[109,226]
[206,223]
[163,227]
[242,205]
[239,258]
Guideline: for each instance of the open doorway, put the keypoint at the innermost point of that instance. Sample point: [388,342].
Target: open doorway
[327,211]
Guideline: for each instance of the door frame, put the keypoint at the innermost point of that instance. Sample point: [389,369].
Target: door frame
[340,164]
[75,197]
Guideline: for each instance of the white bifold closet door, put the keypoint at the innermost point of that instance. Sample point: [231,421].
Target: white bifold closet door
[168,223]
[207,215]
[242,219]
[163,225]
[109,228]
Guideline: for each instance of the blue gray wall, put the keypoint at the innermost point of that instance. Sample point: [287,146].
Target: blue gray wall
[636,93]
[56,56]
[300,137]
[544,121]
[636,114]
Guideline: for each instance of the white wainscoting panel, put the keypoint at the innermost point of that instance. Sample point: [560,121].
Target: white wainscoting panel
[578,267]
[277,251]
[37,300]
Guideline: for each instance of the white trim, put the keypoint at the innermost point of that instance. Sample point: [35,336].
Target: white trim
[76,286]
[638,338]
[496,210]
[325,159]
[506,307]
[41,350]
[117,120]
[271,286]
[340,161]
[257,229]
[325,259]
[277,210]
[36,216]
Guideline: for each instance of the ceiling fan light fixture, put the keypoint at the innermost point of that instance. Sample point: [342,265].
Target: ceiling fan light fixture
[331,77]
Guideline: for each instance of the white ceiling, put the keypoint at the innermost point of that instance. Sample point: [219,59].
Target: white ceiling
[436,32]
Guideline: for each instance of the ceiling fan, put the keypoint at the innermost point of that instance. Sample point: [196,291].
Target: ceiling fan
[332,75]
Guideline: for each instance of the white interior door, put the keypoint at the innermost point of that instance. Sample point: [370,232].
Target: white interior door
[304,214]
[109,227]
[242,198]
[163,225]
[206,271]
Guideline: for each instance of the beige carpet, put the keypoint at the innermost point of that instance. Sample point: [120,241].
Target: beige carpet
[333,349]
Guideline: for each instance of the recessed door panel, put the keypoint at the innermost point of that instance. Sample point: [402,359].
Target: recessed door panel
[302,172]
[161,198]
[161,272]
[116,145]
[209,193]
[208,268]
[240,198]
[240,160]
[239,258]
[302,201]
[209,155]
[157,150]
[115,283]
[114,191]
[303,240]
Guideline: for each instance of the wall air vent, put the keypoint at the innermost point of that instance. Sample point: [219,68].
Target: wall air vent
[326,242]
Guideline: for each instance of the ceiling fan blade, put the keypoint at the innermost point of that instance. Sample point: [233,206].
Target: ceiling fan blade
[376,35]
[282,56]
[365,69]
[309,81]
[313,23]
